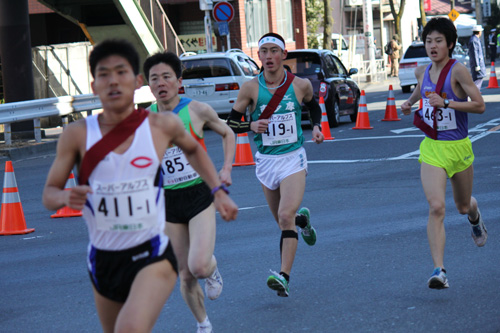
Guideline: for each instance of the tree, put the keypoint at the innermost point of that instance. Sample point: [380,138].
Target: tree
[397,16]
[327,25]
[314,13]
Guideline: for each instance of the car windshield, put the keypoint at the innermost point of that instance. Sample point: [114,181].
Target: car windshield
[206,68]
[303,64]
[415,52]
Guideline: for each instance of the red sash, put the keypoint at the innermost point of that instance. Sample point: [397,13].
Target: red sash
[108,142]
[277,97]
[417,119]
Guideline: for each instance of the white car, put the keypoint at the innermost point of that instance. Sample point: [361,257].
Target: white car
[415,56]
[216,78]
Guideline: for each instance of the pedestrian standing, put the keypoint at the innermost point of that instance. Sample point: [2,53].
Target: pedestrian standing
[476,57]
[492,42]
[395,56]
[130,260]
[445,87]
[274,99]
[190,213]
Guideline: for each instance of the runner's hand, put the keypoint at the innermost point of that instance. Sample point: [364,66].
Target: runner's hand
[77,196]
[317,136]
[259,126]
[225,177]
[228,210]
[406,108]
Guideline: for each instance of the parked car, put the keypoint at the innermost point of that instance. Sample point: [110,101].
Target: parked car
[216,78]
[415,55]
[329,79]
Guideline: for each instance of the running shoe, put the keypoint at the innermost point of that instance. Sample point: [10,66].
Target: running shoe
[204,329]
[479,233]
[308,233]
[213,285]
[277,282]
[438,279]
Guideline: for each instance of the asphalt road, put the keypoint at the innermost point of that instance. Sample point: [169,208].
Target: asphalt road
[366,273]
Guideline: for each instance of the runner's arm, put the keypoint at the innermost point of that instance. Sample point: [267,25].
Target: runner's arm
[464,80]
[415,96]
[54,196]
[213,121]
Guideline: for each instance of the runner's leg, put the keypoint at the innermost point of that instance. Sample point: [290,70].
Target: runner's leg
[434,185]
[284,205]
[191,291]
[150,290]
[461,183]
[107,310]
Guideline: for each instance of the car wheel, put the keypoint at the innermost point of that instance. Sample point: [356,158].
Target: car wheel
[354,115]
[333,113]
[406,89]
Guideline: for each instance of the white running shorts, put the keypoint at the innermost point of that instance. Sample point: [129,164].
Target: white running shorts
[272,169]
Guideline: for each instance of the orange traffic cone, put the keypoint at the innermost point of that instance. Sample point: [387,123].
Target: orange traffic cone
[243,150]
[362,120]
[493,83]
[391,113]
[66,211]
[325,125]
[12,218]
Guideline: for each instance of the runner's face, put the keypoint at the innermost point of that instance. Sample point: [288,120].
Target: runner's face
[115,83]
[163,82]
[271,56]
[436,47]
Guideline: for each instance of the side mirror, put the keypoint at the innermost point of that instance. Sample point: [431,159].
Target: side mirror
[353,71]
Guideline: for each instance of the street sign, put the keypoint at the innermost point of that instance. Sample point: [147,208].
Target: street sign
[223,12]
[223,28]
[453,15]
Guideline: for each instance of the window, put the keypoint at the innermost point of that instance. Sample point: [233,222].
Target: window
[284,19]
[256,20]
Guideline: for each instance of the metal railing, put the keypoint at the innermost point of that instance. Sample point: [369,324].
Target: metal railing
[161,25]
[365,71]
[55,106]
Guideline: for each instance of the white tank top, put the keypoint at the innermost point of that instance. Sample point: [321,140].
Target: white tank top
[126,207]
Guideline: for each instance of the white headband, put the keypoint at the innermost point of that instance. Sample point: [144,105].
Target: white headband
[273,40]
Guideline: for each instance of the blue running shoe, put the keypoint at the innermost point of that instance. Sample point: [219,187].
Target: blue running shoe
[438,279]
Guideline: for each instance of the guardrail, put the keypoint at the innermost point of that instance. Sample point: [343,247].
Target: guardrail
[55,106]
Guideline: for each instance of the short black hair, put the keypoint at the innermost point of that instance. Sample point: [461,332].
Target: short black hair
[444,26]
[167,58]
[275,35]
[119,47]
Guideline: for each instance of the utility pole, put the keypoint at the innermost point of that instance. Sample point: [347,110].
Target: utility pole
[369,45]
[207,6]
[479,21]
[452,4]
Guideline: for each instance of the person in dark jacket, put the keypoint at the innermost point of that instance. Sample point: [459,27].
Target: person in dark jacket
[476,57]
[492,44]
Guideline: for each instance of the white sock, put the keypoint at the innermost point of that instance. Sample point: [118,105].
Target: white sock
[205,323]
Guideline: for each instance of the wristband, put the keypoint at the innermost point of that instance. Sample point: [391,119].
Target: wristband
[220,187]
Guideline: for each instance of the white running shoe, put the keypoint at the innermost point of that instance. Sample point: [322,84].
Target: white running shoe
[213,285]
[479,232]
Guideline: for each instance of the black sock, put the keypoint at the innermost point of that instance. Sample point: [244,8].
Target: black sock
[476,221]
[301,221]
[286,276]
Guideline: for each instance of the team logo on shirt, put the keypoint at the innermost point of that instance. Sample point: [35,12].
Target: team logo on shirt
[141,162]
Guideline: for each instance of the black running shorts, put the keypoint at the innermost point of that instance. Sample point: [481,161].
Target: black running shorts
[183,204]
[113,272]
